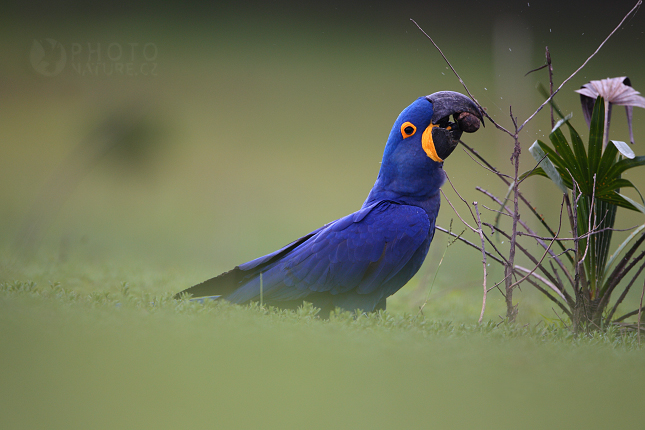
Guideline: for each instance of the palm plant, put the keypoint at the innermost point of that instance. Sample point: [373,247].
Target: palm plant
[593,177]
[582,278]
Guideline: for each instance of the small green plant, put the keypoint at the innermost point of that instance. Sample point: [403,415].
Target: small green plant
[591,179]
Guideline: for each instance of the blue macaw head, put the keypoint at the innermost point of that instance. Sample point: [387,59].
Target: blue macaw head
[422,137]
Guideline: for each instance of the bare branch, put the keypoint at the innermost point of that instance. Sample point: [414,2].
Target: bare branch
[546,251]
[530,257]
[630,314]
[626,289]
[481,237]
[530,231]
[640,313]
[544,280]
[461,198]
[457,213]
[462,81]
[496,211]
[485,167]
[521,196]
[584,236]
[553,93]
[469,243]
[536,69]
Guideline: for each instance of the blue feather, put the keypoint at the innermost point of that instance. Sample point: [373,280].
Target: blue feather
[359,260]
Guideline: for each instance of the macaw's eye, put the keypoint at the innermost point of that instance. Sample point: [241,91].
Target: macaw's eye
[408,129]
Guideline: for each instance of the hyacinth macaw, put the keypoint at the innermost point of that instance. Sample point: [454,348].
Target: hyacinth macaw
[356,262]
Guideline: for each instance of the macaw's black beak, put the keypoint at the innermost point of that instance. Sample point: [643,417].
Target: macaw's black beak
[466,117]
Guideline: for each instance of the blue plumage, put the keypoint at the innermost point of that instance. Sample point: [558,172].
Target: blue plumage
[357,261]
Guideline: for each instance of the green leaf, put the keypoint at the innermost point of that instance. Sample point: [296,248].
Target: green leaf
[607,161]
[626,164]
[542,90]
[616,184]
[622,246]
[623,201]
[636,206]
[580,152]
[596,130]
[546,165]
[558,162]
[569,162]
[562,121]
[553,156]
[535,172]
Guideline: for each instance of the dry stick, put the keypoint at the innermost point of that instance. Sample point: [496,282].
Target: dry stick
[539,264]
[592,213]
[621,271]
[524,200]
[461,198]
[640,312]
[548,62]
[483,111]
[534,261]
[476,219]
[455,210]
[481,237]
[626,290]
[636,6]
[512,311]
[498,212]
[630,314]
[529,230]
[556,280]
[584,236]
[469,243]
[488,254]
[579,275]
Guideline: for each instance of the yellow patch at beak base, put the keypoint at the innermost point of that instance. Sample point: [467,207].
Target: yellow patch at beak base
[428,144]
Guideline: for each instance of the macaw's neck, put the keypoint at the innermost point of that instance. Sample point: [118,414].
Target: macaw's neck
[418,188]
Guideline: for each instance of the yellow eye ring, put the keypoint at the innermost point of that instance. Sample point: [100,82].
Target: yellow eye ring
[408,129]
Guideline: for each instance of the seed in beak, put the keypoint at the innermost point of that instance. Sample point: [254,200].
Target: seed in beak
[468,122]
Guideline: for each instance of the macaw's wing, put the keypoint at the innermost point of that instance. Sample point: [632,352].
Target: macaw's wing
[228,282]
[360,253]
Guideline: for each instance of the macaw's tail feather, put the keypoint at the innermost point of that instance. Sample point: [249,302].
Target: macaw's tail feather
[227,282]
[221,285]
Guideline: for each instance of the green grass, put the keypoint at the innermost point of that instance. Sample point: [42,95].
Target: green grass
[270,128]
[130,359]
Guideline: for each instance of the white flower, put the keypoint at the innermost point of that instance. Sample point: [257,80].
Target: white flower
[615,91]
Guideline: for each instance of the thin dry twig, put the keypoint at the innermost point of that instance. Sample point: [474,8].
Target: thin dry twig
[508,183]
[481,237]
[626,289]
[481,108]
[530,257]
[469,243]
[530,231]
[553,93]
[457,213]
[461,198]
[515,160]
[584,236]
[546,251]
[640,313]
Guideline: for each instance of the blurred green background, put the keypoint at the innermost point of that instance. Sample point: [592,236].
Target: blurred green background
[183,140]
[188,139]
[176,141]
